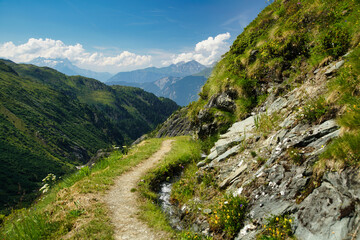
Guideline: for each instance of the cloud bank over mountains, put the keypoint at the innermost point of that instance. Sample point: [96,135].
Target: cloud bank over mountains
[205,52]
[49,48]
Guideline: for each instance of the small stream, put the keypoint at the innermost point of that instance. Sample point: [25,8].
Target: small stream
[171,211]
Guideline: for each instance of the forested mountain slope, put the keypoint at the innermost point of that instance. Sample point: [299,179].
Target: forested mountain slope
[50,122]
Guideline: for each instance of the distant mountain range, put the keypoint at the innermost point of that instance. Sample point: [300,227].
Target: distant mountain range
[181,90]
[66,67]
[180,82]
[152,74]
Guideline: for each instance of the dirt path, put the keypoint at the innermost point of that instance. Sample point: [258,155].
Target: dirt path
[123,203]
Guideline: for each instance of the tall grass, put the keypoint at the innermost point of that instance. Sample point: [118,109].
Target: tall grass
[58,212]
[345,150]
[26,225]
[184,151]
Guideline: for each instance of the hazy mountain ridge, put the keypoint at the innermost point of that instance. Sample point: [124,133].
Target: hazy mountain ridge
[152,74]
[66,67]
[182,90]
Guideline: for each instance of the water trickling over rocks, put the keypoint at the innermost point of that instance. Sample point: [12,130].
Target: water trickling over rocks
[172,213]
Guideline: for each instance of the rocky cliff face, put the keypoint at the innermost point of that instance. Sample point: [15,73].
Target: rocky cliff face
[177,124]
[275,170]
[270,157]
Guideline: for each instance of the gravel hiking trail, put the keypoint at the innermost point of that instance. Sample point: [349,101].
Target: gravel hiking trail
[124,204]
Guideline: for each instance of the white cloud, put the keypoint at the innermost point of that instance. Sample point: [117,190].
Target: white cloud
[103,59]
[205,52]
[49,48]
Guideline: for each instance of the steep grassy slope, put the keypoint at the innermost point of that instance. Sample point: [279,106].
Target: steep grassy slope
[291,83]
[286,40]
[50,122]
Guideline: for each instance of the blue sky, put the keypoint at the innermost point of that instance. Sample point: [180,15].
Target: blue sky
[122,35]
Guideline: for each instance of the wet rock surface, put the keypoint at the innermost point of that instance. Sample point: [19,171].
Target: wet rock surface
[172,212]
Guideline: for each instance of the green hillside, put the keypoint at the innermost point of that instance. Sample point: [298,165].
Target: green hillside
[50,122]
[286,40]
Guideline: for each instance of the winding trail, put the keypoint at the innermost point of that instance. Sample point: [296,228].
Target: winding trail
[124,204]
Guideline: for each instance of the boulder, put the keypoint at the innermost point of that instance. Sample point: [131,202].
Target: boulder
[277,105]
[224,102]
[332,210]
[334,67]
[243,127]
[222,145]
[233,176]
[177,124]
[232,151]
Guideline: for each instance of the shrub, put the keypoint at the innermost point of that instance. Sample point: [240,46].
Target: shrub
[193,236]
[281,11]
[335,42]
[265,123]
[261,160]
[313,111]
[228,215]
[345,149]
[28,225]
[289,48]
[295,155]
[277,227]
[84,171]
[48,181]
[351,119]
[184,189]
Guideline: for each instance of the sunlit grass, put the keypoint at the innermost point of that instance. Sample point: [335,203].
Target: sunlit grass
[184,152]
[76,200]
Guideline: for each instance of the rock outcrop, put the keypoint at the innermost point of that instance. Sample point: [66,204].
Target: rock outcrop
[177,124]
[275,169]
